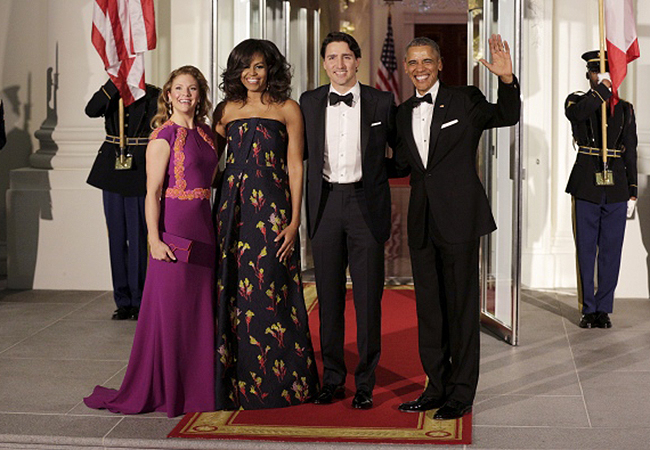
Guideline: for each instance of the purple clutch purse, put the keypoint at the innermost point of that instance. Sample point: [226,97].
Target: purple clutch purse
[189,251]
[181,247]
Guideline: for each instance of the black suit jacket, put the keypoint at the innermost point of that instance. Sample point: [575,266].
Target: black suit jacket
[138,115]
[377,129]
[3,136]
[584,112]
[449,186]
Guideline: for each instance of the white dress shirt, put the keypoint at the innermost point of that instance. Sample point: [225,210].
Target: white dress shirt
[422,117]
[343,140]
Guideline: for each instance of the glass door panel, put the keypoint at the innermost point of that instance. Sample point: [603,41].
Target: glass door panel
[499,166]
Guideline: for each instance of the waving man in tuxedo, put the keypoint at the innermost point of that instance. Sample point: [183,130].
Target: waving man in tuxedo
[439,130]
[347,126]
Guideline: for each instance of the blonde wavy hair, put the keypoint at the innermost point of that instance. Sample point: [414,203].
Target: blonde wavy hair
[203,107]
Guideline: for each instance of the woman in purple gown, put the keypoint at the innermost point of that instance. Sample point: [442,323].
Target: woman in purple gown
[264,355]
[171,368]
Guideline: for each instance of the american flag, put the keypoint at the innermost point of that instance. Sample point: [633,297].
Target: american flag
[122,31]
[387,72]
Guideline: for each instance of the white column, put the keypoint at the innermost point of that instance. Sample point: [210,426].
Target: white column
[191,25]
[634,279]
[552,71]
[56,231]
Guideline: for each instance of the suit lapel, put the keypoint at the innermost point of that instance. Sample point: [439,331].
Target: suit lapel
[321,108]
[408,133]
[368,105]
[439,113]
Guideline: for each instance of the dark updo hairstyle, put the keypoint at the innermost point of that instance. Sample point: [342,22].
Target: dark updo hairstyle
[278,71]
[339,36]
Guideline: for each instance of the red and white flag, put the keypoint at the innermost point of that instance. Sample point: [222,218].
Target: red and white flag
[622,42]
[387,72]
[122,31]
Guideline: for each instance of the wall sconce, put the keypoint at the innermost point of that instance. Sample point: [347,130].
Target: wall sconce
[426,5]
[347,27]
[345,4]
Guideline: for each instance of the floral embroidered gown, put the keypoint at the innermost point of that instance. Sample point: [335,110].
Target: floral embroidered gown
[264,354]
[171,368]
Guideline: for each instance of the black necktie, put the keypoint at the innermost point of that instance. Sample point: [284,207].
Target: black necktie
[336,98]
[427,98]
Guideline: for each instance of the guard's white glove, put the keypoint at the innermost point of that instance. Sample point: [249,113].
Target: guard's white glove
[604,76]
[631,204]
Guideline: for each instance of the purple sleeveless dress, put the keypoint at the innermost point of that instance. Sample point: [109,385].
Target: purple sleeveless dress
[171,368]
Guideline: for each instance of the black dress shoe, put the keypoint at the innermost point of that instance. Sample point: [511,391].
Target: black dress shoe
[134,312]
[121,313]
[588,321]
[328,393]
[452,410]
[602,320]
[420,404]
[362,400]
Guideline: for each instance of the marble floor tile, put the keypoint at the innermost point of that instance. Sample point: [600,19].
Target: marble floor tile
[611,350]
[61,340]
[558,438]
[617,399]
[56,425]
[50,386]
[25,319]
[100,309]
[48,296]
[528,410]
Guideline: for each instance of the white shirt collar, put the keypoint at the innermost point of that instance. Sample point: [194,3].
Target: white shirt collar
[433,91]
[355,90]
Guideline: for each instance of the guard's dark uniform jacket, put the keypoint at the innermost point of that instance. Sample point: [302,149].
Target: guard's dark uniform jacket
[103,175]
[584,112]
[3,136]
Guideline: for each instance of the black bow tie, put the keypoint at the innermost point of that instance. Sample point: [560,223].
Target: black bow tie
[418,100]
[336,98]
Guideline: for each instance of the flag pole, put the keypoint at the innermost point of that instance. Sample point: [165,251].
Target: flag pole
[121,120]
[606,178]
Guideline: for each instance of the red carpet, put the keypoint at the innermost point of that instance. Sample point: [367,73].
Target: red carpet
[399,378]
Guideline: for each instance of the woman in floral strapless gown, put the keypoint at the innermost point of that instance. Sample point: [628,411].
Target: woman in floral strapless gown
[171,368]
[264,354]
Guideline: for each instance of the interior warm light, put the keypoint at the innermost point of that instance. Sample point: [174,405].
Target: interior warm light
[428,5]
[347,27]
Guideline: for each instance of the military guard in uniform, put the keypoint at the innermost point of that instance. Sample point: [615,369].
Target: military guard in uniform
[600,206]
[119,171]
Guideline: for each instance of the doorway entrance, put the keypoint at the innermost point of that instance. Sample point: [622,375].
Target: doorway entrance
[452,39]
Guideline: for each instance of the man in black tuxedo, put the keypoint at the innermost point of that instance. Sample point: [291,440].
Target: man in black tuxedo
[438,131]
[348,210]
[123,191]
